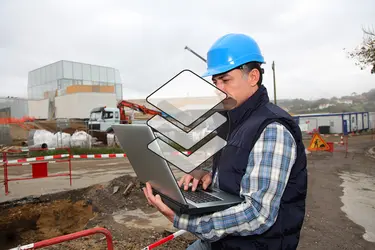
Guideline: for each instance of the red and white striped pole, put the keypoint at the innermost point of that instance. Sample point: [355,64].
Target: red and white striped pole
[164,240]
[69,237]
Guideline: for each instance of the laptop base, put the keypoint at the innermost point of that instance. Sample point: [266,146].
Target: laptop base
[188,209]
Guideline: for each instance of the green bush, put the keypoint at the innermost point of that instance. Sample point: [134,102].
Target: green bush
[78,151]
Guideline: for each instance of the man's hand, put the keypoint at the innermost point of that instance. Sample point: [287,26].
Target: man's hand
[186,179]
[158,203]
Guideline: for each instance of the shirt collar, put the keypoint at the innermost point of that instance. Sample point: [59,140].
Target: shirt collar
[260,97]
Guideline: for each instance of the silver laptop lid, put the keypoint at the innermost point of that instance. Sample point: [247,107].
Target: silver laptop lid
[148,166]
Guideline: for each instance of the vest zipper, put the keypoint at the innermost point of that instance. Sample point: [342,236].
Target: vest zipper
[216,177]
[229,122]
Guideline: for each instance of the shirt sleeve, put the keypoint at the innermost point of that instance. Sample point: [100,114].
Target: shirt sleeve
[262,186]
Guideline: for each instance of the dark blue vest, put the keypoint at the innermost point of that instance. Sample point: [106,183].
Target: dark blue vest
[243,128]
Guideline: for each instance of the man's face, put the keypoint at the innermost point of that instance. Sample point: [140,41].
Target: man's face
[237,86]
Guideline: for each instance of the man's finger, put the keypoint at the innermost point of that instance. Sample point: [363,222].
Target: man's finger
[181,180]
[207,179]
[150,195]
[146,195]
[206,184]
[160,204]
[187,181]
[195,184]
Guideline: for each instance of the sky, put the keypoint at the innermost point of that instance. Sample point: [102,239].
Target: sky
[145,41]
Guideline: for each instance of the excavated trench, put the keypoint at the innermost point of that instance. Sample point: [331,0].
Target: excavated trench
[118,205]
[33,222]
[34,219]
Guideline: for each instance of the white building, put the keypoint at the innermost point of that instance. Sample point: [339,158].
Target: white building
[326,105]
[336,122]
[66,89]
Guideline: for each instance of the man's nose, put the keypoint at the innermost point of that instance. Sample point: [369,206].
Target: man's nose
[220,86]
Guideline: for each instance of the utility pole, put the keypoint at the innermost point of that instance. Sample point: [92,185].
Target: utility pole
[274,82]
[192,51]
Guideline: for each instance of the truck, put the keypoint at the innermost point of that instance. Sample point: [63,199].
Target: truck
[102,118]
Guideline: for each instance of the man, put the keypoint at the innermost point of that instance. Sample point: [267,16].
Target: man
[264,161]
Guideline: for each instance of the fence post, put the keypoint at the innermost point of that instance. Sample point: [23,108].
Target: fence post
[5,161]
[33,161]
[70,165]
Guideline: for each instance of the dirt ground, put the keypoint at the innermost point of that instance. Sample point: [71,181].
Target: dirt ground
[36,219]
[328,223]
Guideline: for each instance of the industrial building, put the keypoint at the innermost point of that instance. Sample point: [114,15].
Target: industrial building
[66,77]
[67,89]
[336,123]
[13,107]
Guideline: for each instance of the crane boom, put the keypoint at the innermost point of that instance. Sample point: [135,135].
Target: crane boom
[137,107]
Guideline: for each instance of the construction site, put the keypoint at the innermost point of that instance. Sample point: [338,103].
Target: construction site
[67,183]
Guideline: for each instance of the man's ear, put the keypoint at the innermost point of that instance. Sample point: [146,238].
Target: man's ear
[253,77]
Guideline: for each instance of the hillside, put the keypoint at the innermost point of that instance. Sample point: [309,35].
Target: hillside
[364,102]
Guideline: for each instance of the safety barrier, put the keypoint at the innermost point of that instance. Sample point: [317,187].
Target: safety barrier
[341,146]
[88,232]
[39,165]
[165,239]
[100,156]
[69,237]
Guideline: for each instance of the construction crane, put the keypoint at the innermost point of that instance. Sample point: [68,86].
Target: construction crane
[196,54]
[137,107]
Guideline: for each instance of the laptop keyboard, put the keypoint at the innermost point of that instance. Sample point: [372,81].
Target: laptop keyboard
[198,196]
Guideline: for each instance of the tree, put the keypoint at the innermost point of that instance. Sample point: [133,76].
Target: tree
[364,54]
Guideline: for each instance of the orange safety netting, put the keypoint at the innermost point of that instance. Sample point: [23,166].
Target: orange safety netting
[9,120]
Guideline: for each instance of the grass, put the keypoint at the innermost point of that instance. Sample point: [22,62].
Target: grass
[78,151]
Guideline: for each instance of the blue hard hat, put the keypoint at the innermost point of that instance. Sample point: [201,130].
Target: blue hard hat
[232,51]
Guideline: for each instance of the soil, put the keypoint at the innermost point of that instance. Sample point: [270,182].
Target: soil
[38,218]
[326,226]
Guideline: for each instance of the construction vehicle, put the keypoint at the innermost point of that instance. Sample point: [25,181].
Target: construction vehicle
[102,118]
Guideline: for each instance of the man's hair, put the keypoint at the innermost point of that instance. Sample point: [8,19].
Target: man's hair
[247,67]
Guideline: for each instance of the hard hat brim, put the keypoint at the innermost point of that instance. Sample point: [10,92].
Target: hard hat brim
[221,70]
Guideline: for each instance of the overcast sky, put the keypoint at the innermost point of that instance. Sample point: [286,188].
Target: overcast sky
[145,40]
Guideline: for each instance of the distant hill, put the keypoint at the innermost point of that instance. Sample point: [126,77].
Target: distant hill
[364,102]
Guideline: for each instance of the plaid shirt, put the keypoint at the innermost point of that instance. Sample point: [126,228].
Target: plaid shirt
[262,186]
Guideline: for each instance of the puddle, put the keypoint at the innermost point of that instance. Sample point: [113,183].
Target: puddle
[139,219]
[359,201]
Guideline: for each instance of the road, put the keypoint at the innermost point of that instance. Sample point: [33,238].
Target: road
[85,173]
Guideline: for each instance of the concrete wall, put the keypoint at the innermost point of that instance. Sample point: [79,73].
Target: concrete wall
[79,105]
[38,109]
[372,120]
[5,137]
[76,105]
[18,107]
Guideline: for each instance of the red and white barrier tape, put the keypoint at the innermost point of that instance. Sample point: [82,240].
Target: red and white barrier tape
[26,161]
[166,239]
[39,158]
[29,246]
[99,156]
[30,163]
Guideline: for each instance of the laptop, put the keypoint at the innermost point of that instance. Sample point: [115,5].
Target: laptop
[149,167]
